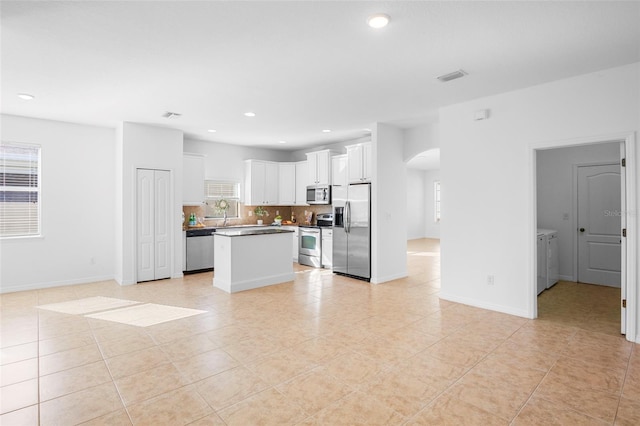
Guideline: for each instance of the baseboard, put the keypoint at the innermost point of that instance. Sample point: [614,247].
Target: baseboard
[380,280]
[251,284]
[38,286]
[567,278]
[484,305]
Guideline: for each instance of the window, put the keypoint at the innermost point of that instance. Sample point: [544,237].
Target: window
[19,190]
[436,200]
[214,192]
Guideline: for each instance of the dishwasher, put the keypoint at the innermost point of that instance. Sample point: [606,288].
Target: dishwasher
[200,249]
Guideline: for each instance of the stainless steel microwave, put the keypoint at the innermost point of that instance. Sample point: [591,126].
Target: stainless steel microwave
[319,194]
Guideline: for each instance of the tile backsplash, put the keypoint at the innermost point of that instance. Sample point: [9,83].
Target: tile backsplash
[244,219]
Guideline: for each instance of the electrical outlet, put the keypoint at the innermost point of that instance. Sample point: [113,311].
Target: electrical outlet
[277,212]
[250,213]
[92,260]
[490,279]
[565,216]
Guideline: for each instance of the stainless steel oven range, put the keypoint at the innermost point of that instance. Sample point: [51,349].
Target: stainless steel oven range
[310,241]
[310,246]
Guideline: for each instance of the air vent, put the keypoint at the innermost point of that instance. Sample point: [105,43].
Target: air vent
[452,76]
[170,114]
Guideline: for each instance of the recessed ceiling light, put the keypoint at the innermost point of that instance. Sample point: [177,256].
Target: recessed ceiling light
[326,131]
[212,130]
[282,141]
[250,114]
[25,96]
[378,20]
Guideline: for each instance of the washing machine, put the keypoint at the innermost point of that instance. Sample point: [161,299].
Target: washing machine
[551,264]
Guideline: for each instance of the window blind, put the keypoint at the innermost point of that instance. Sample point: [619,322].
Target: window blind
[218,189]
[19,190]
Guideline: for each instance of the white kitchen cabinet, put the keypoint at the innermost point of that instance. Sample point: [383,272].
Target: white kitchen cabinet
[302,177]
[192,179]
[261,183]
[287,184]
[294,243]
[339,170]
[327,247]
[359,162]
[319,167]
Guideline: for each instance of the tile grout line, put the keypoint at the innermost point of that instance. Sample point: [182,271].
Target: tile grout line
[624,381]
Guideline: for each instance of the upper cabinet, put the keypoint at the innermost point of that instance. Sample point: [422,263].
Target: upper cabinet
[287,185]
[192,179]
[302,176]
[261,183]
[359,162]
[319,167]
[339,170]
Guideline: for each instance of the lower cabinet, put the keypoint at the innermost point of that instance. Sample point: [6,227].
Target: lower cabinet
[294,242]
[327,248]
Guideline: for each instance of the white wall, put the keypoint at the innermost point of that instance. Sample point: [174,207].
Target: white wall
[431,227]
[416,204]
[388,205]
[555,197]
[226,162]
[78,195]
[487,205]
[421,204]
[143,146]
[419,139]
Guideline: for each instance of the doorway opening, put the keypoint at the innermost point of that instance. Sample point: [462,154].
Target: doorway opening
[582,194]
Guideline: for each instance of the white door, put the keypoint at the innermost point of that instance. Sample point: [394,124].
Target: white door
[145,224]
[599,210]
[153,230]
[161,221]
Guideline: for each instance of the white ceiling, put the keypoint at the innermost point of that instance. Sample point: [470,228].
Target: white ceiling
[300,66]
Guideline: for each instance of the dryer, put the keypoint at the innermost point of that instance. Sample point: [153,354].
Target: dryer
[551,262]
[542,262]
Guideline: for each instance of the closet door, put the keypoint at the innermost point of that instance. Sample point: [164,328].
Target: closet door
[153,211]
[162,233]
[145,207]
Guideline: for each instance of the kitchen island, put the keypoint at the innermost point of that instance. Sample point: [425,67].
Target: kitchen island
[251,258]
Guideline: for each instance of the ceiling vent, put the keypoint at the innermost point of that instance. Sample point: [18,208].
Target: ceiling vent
[452,76]
[170,114]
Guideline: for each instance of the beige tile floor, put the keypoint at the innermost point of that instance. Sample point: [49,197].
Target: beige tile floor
[323,350]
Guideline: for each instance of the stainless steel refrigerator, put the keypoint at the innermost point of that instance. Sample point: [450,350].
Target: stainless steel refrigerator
[352,230]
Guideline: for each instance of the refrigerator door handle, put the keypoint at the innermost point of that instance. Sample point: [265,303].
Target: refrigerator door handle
[347,220]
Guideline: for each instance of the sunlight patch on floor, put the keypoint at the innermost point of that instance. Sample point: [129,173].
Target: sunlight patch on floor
[87,305]
[122,311]
[146,315]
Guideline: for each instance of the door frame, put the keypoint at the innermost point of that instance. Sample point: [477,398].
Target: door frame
[629,273]
[574,219]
